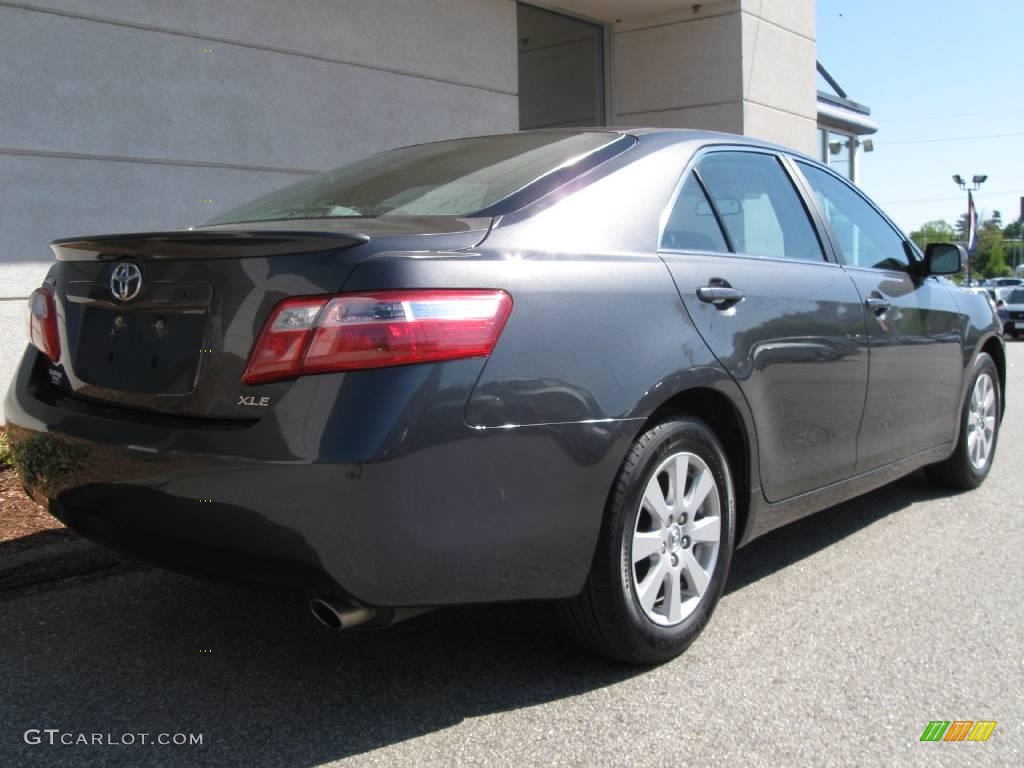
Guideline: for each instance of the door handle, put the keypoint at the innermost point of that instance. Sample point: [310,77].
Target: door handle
[877,304]
[720,296]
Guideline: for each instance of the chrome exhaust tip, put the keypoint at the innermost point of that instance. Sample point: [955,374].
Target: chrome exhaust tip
[337,614]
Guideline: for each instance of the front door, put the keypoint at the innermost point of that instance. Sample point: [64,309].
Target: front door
[914,330]
[785,322]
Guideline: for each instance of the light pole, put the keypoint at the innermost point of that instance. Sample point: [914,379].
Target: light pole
[973,186]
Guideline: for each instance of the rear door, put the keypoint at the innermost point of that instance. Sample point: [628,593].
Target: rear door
[785,321]
[915,328]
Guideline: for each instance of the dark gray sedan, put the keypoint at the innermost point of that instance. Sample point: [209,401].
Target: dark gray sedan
[571,365]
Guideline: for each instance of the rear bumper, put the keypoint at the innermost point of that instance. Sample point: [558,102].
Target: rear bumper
[370,484]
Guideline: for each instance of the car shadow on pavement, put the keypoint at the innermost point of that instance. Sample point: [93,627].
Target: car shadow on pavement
[151,652]
[791,543]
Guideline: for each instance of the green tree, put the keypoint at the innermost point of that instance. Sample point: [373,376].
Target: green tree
[989,259]
[1016,249]
[939,231]
[961,227]
[995,221]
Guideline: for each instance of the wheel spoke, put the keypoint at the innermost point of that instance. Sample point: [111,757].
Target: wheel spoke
[673,598]
[654,501]
[646,544]
[681,467]
[648,589]
[989,399]
[697,577]
[707,530]
[701,488]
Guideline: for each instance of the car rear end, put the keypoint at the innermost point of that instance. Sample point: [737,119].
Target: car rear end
[284,401]
[185,424]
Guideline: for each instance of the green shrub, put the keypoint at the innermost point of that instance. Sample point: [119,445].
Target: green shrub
[45,458]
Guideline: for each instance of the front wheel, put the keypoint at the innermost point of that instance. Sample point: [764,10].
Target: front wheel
[665,547]
[971,460]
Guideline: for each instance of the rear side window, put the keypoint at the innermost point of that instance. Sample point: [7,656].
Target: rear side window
[865,238]
[692,225]
[759,206]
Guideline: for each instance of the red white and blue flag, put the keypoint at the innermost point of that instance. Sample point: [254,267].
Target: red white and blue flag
[972,224]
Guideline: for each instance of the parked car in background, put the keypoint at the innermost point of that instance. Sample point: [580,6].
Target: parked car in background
[1004,282]
[1010,310]
[577,365]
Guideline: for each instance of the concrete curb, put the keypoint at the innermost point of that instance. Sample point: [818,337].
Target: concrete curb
[53,562]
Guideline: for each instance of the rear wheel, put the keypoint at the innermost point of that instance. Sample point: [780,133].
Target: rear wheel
[972,458]
[664,550]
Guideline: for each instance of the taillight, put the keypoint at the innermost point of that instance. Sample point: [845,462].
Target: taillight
[350,332]
[42,323]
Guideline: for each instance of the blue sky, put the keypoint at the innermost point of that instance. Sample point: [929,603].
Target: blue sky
[933,70]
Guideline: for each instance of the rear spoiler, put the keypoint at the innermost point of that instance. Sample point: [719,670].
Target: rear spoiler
[189,244]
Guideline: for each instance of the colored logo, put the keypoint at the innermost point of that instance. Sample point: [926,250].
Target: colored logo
[958,730]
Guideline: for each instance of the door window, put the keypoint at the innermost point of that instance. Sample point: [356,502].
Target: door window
[865,238]
[692,225]
[759,206]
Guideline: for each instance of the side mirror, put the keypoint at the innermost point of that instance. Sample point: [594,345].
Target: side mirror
[944,258]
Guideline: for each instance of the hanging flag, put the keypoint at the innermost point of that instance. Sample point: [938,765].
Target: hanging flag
[972,224]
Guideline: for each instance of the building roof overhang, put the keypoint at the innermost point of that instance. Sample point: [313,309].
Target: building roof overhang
[844,115]
[839,111]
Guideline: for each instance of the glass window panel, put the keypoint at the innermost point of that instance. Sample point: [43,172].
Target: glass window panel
[865,238]
[692,225]
[840,147]
[445,178]
[760,206]
[561,69]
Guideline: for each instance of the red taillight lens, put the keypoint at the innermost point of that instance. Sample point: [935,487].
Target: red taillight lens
[375,330]
[42,323]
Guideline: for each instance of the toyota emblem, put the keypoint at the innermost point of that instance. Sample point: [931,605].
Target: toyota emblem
[126,281]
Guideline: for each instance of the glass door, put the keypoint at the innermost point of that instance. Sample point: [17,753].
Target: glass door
[561,69]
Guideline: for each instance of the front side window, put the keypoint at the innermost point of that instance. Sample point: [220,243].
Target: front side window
[759,206]
[446,178]
[865,238]
[692,225]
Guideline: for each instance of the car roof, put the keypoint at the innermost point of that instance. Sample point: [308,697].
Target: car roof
[680,136]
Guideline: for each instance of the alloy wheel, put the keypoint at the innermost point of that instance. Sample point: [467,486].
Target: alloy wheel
[676,539]
[981,421]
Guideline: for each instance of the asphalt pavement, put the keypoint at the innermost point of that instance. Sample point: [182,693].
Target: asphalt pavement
[840,638]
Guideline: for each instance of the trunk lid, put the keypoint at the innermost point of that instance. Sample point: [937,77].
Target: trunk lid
[165,321]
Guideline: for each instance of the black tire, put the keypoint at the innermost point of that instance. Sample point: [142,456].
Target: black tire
[606,617]
[958,472]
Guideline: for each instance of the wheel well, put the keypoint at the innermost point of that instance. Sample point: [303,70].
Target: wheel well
[721,415]
[996,351]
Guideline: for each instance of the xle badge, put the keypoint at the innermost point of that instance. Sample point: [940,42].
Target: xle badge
[259,402]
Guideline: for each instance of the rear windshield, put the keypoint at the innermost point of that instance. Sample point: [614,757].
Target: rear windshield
[1015,296]
[447,178]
